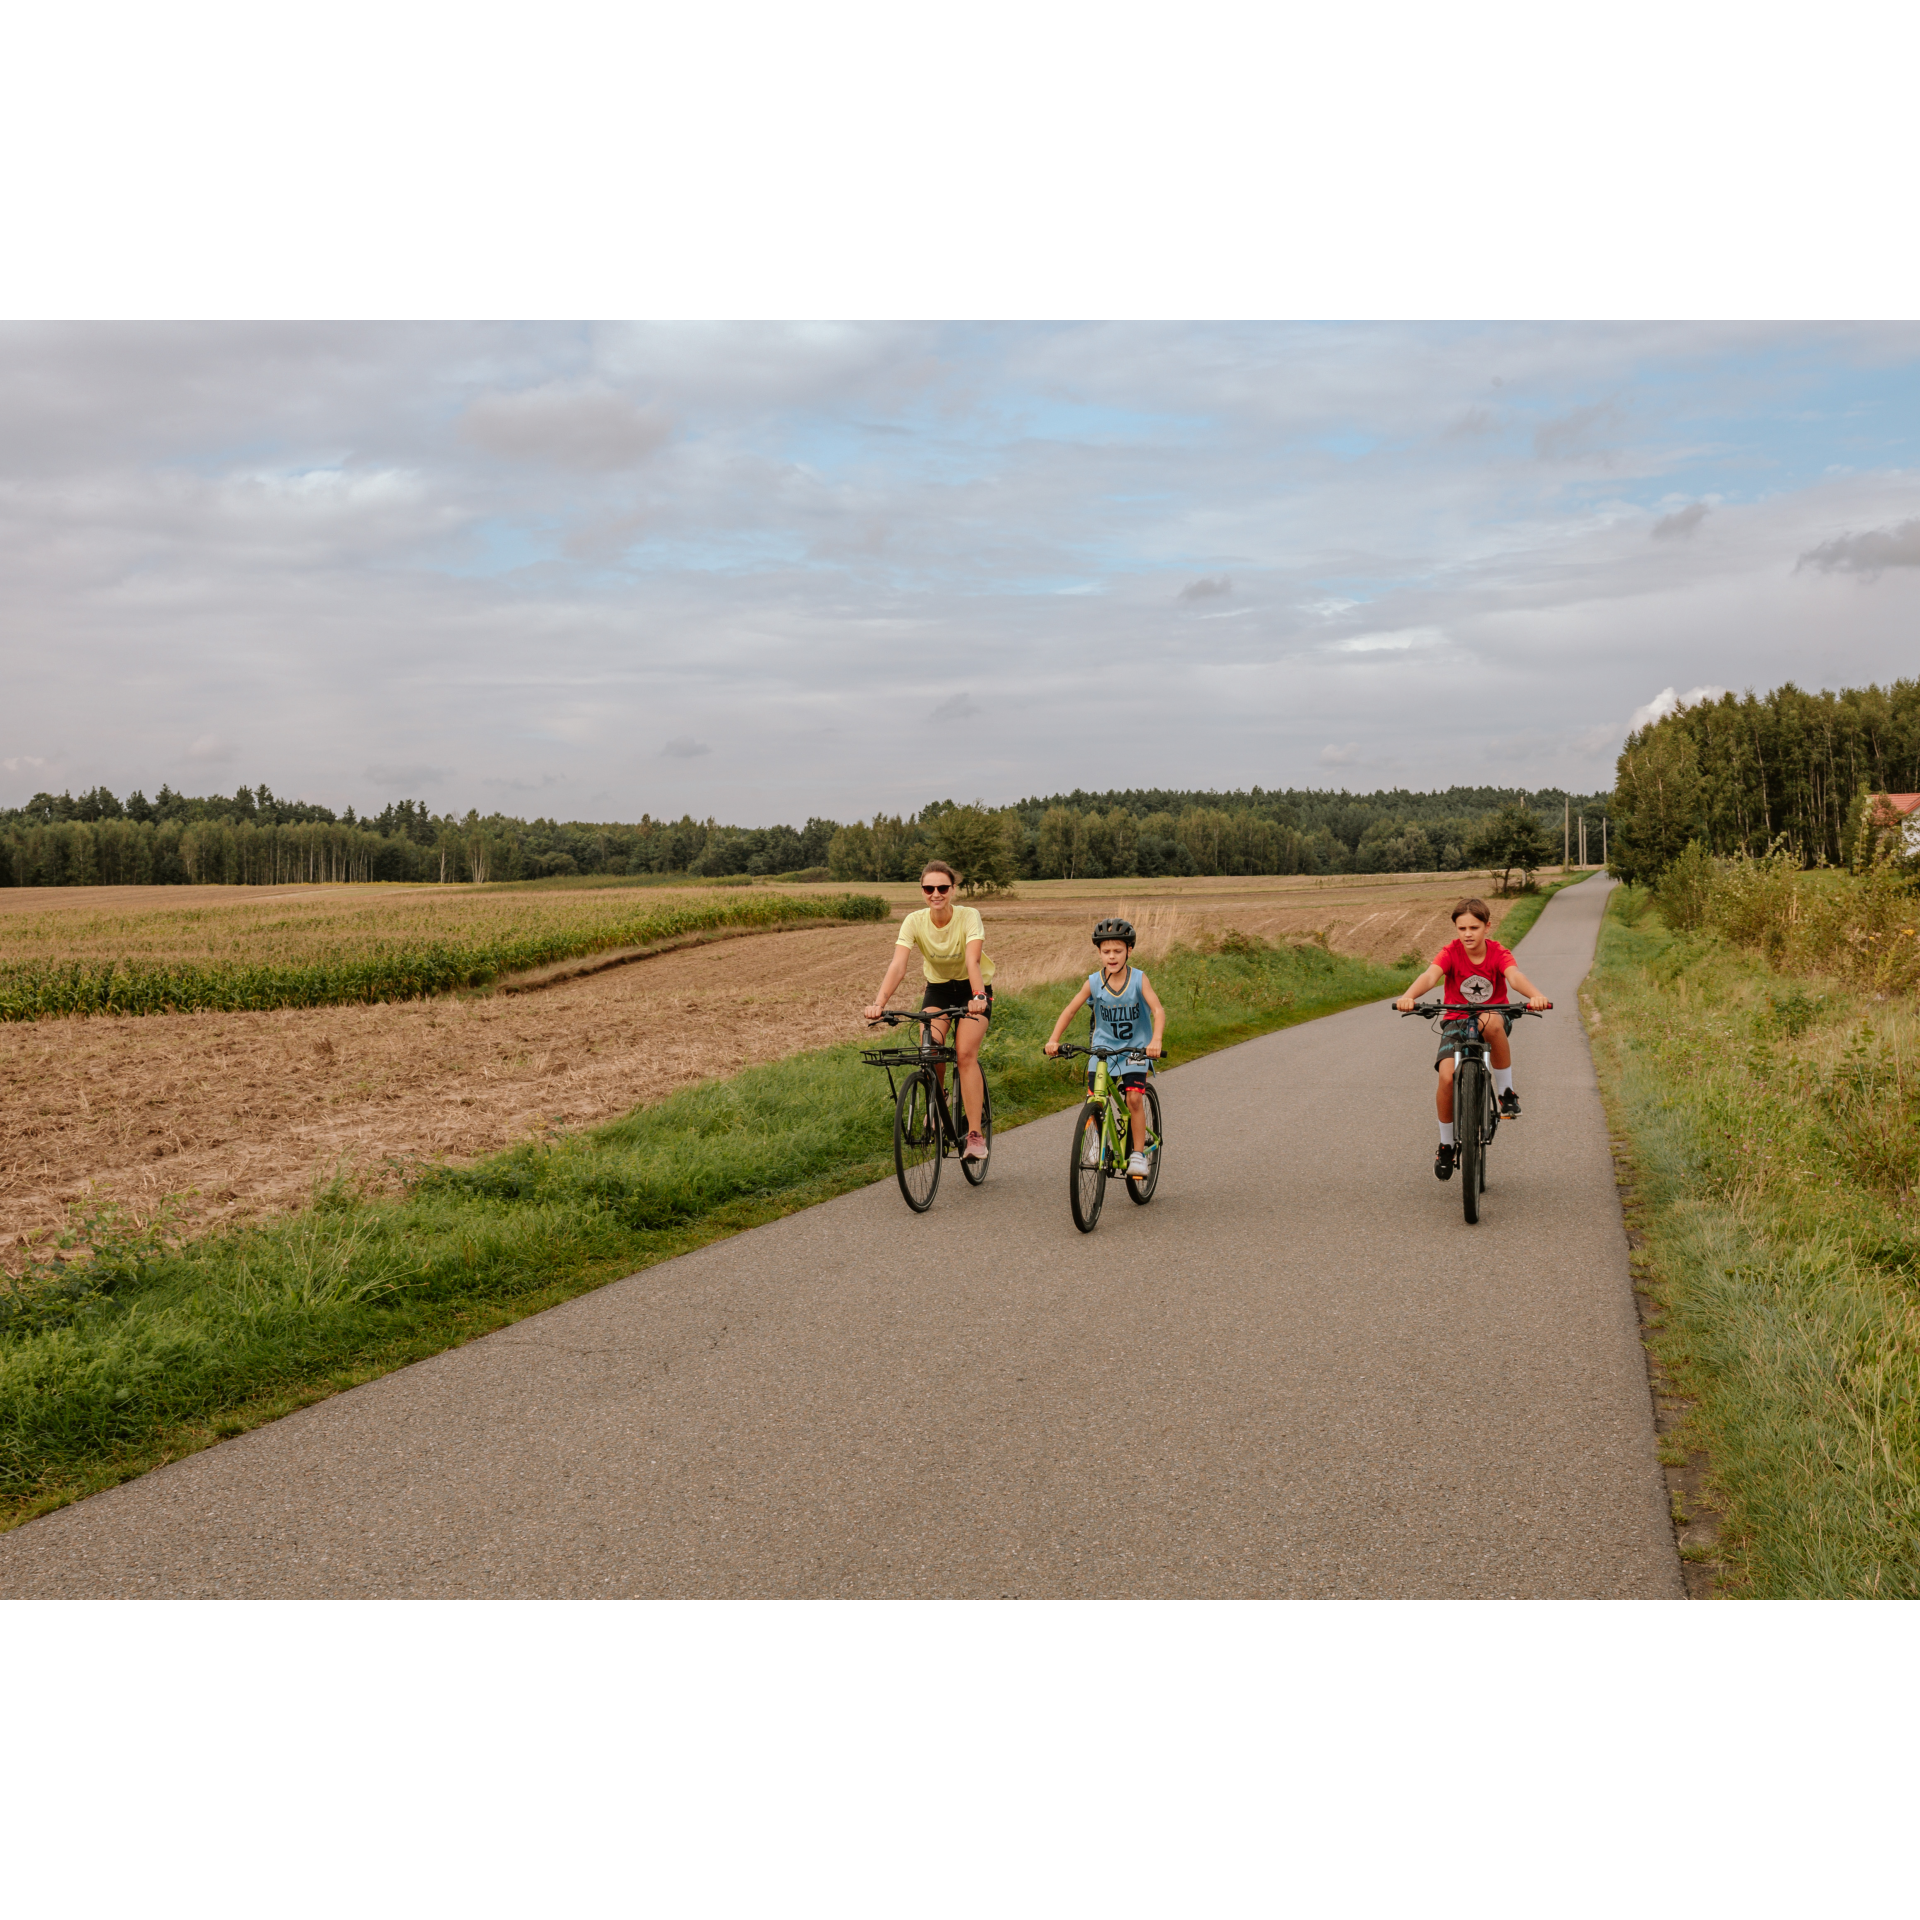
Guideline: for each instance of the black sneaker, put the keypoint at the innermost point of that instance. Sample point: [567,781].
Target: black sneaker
[1443,1163]
[1509,1105]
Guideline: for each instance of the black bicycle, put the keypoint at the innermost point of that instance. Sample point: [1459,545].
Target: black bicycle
[927,1126]
[1476,1113]
[1102,1137]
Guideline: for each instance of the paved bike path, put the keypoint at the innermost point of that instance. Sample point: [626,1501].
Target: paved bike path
[1298,1372]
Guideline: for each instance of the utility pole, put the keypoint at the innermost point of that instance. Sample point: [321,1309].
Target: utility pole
[1566,834]
[1603,839]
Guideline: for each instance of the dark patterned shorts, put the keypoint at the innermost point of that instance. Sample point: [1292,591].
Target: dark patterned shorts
[1452,1032]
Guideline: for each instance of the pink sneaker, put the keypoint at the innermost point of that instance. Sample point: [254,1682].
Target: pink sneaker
[976,1147]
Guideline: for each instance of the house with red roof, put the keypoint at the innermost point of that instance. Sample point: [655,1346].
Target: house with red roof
[1897,813]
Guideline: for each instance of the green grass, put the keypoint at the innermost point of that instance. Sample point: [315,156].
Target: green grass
[1772,1126]
[405,968]
[144,1351]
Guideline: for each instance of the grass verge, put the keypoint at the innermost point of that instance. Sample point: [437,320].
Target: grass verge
[1770,1128]
[136,1350]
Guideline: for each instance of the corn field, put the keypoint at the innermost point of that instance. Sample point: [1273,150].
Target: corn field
[356,964]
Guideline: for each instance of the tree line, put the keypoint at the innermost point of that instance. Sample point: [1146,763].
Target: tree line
[254,838]
[1743,775]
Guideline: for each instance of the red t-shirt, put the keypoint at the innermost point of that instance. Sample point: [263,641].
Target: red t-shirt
[1474,983]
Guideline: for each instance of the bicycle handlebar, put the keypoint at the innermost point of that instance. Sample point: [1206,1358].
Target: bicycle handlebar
[894,1016]
[1066,1050]
[1426,1009]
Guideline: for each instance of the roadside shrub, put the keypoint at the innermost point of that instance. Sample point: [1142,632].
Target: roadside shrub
[1684,892]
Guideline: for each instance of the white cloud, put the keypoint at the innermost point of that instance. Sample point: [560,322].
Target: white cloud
[210,750]
[1401,640]
[684,746]
[1666,701]
[1346,756]
[956,706]
[1209,588]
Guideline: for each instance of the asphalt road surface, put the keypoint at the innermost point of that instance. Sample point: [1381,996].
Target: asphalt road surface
[1297,1373]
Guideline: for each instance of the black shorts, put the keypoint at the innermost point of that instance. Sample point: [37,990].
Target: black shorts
[1453,1032]
[954,993]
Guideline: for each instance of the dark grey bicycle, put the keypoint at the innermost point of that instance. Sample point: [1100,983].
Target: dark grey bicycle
[927,1125]
[1476,1113]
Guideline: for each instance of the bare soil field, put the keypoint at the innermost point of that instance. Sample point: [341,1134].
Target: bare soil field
[246,1111]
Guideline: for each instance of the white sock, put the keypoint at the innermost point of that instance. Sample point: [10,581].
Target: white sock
[1446,1133]
[1503,1079]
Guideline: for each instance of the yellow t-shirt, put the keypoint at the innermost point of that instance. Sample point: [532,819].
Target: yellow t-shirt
[943,950]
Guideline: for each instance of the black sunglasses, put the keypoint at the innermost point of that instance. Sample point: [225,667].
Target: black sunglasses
[924,888]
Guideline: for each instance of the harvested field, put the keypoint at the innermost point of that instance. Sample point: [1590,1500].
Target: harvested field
[124,900]
[256,926]
[249,1109]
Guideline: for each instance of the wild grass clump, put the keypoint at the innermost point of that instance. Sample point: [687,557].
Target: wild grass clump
[1863,928]
[377,968]
[1775,1136]
[137,1347]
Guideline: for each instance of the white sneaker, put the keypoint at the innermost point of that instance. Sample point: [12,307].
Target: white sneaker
[1137,1168]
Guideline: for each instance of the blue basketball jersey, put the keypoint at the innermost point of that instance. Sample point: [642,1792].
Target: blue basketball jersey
[1122,1019]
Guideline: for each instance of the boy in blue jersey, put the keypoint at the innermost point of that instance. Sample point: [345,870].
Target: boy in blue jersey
[1124,1003]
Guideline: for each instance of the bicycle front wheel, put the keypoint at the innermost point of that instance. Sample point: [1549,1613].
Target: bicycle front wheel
[975,1170]
[1469,1086]
[1141,1191]
[1088,1189]
[916,1140]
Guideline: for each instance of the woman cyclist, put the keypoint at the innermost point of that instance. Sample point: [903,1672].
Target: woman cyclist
[952,945]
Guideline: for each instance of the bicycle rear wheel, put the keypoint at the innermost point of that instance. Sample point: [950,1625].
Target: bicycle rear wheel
[975,1170]
[1469,1082]
[916,1140]
[1088,1175]
[1141,1191]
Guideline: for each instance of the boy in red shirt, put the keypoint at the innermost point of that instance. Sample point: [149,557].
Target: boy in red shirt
[1476,971]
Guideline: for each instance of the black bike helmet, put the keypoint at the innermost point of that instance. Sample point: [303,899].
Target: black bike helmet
[1114,930]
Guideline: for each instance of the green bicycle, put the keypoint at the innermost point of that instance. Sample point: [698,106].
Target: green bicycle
[1102,1138]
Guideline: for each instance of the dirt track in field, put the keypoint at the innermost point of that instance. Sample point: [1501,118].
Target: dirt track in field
[245,1111]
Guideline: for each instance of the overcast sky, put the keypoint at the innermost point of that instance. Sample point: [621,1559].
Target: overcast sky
[765,572]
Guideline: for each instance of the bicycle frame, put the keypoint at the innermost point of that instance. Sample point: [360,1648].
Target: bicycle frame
[1117,1140]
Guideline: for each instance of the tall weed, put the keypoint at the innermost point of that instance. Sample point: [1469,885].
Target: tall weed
[1862,928]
